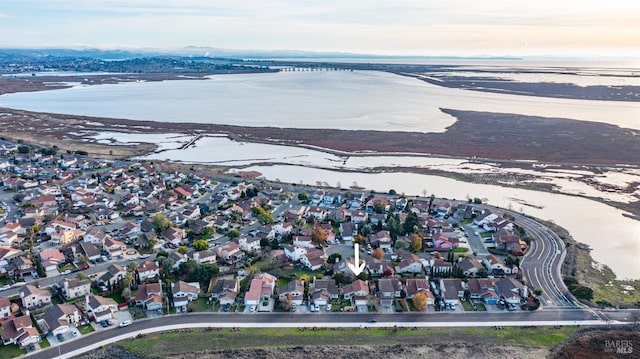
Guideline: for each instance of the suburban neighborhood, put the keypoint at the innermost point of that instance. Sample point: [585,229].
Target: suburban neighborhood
[89,244]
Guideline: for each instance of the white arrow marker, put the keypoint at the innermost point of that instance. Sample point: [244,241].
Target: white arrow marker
[357,268]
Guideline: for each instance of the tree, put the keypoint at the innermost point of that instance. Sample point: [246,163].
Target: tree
[287,301]
[160,222]
[263,216]
[359,238]
[512,260]
[416,242]
[582,292]
[183,249]
[200,245]
[303,197]
[394,225]
[127,280]
[234,233]
[335,257]
[411,223]
[319,236]
[420,301]
[378,253]
[83,261]
[131,267]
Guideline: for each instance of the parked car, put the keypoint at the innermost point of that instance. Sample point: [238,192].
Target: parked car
[145,256]
[5,287]
[104,324]
[372,320]
[66,272]
[74,333]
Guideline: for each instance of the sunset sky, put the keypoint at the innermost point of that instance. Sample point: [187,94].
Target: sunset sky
[395,27]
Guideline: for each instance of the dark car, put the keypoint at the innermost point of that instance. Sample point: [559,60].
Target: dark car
[372,320]
[104,323]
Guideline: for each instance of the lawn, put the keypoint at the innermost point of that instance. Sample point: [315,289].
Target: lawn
[201,305]
[86,329]
[466,305]
[45,343]
[117,297]
[11,351]
[172,343]
[481,307]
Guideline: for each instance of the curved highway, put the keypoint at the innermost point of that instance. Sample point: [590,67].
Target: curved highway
[542,263]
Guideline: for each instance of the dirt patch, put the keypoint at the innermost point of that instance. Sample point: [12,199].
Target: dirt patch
[462,351]
[600,344]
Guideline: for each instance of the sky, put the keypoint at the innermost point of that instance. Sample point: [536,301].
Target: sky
[569,28]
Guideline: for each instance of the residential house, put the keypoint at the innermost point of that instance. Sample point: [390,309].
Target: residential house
[511,290]
[148,270]
[74,288]
[348,231]
[260,288]
[19,331]
[57,225]
[451,290]
[295,289]
[469,266]
[226,290]
[414,286]
[174,235]
[114,247]
[149,296]
[316,213]
[177,258]
[34,297]
[328,285]
[410,264]
[358,216]
[313,259]
[5,308]
[114,273]
[20,267]
[483,289]
[183,293]
[229,253]
[294,253]
[381,239]
[100,308]
[495,265]
[51,259]
[9,239]
[90,251]
[303,241]
[60,318]
[388,290]
[203,257]
[357,292]
[249,244]
[96,237]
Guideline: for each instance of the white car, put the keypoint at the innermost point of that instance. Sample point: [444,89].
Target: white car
[125,323]
[66,272]
[5,287]
[144,256]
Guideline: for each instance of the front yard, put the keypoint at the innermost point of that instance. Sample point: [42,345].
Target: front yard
[203,305]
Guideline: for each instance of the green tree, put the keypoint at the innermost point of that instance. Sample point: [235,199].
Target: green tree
[131,267]
[334,258]
[183,249]
[263,216]
[411,223]
[303,197]
[200,245]
[160,222]
[234,233]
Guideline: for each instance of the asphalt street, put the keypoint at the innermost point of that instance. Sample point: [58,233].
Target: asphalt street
[195,320]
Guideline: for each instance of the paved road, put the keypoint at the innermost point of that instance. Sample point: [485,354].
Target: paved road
[542,263]
[550,317]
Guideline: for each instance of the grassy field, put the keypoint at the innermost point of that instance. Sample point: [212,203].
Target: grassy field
[197,340]
[11,351]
